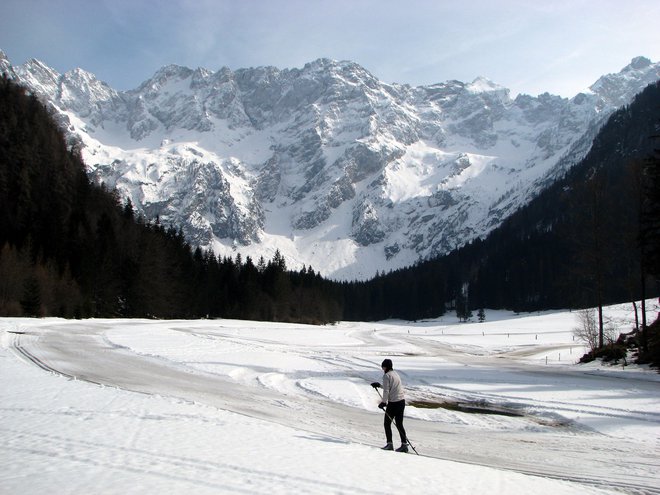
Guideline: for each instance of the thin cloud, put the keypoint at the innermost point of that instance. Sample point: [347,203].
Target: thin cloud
[529,47]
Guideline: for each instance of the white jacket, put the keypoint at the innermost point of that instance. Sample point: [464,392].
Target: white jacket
[392,387]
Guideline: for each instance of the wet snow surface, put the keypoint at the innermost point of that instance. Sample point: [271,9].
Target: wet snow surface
[222,406]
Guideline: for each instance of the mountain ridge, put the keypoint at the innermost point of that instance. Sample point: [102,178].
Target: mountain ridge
[326,163]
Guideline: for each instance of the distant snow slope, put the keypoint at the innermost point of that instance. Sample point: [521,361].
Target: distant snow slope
[326,163]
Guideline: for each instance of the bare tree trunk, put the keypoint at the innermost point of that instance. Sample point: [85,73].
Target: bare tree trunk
[601,333]
[645,341]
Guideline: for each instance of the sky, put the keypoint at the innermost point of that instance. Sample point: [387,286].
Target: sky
[528,46]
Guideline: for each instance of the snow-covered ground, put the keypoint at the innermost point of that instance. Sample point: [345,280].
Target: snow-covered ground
[220,406]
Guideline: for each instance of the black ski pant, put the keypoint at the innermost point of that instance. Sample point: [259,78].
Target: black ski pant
[394,411]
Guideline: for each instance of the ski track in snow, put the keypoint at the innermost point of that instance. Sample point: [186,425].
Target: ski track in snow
[316,380]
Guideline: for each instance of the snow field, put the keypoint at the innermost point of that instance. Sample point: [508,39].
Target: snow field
[70,437]
[64,435]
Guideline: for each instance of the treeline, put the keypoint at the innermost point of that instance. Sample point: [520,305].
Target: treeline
[591,238]
[70,248]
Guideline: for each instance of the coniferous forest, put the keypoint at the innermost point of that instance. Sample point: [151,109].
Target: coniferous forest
[70,248]
[577,244]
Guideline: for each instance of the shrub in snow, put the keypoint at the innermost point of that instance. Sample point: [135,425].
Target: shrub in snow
[587,329]
[587,332]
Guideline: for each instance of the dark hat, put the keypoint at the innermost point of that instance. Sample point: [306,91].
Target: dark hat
[387,364]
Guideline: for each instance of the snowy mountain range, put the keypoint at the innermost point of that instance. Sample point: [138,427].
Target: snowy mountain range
[328,164]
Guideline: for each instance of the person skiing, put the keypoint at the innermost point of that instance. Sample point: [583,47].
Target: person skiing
[393,403]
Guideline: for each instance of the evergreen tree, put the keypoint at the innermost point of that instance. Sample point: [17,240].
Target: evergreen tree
[650,217]
[649,240]
[31,300]
[462,311]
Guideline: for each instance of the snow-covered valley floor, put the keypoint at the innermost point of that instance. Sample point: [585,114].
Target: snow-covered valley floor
[221,406]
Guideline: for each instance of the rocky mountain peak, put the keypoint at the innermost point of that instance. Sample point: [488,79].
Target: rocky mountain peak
[326,163]
[638,63]
[163,76]
[39,77]
[5,64]
[482,84]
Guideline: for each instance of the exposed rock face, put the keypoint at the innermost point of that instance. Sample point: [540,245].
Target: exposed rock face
[326,162]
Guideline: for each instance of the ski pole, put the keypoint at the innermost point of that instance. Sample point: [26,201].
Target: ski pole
[393,421]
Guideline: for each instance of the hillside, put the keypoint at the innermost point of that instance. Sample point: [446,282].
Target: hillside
[71,248]
[573,244]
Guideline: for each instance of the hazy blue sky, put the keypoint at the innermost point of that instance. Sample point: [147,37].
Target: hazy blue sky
[531,46]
